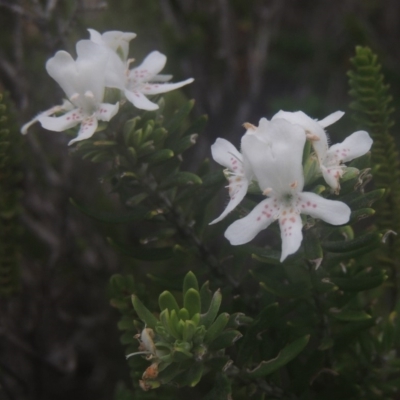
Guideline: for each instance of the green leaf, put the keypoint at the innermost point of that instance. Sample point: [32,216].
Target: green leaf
[167,301]
[267,317]
[264,255]
[158,156]
[144,314]
[192,376]
[143,253]
[192,301]
[174,124]
[224,340]
[341,246]
[198,125]
[185,143]
[216,328]
[190,282]
[291,290]
[366,200]
[360,214]
[208,318]
[287,354]
[188,330]
[181,179]
[139,214]
[349,315]
[360,283]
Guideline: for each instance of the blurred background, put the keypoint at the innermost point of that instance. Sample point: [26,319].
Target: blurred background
[249,58]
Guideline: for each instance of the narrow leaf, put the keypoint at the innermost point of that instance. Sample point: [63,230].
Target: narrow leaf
[144,314]
[287,354]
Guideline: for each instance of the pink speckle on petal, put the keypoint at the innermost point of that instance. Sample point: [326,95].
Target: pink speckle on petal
[314,205]
[293,219]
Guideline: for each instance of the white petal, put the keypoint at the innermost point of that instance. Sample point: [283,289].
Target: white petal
[291,234]
[245,229]
[150,67]
[352,147]
[276,160]
[107,111]
[66,106]
[331,211]
[66,121]
[87,129]
[140,101]
[226,154]
[161,78]
[332,174]
[95,36]
[115,39]
[63,70]
[237,191]
[331,119]
[310,126]
[91,64]
[156,88]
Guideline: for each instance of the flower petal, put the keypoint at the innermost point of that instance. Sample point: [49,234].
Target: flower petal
[237,191]
[87,129]
[150,67]
[310,126]
[226,154]
[275,155]
[66,106]
[107,111]
[332,174]
[63,70]
[245,229]
[91,64]
[139,100]
[331,119]
[66,121]
[291,232]
[156,88]
[352,147]
[331,211]
[161,78]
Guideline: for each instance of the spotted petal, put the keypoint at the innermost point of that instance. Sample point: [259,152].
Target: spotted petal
[150,67]
[156,88]
[66,106]
[140,101]
[226,154]
[59,124]
[107,111]
[331,211]
[245,229]
[87,129]
[352,147]
[291,234]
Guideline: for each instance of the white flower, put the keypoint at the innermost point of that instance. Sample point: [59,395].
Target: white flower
[83,81]
[330,159]
[65,106]
[115,40]
[225,153]
[143,80]
[275,155]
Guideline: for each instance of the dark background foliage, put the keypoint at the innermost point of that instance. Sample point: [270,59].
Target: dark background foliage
[249,59]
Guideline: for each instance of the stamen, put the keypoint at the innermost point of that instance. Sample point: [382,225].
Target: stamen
[250,126]
[312,136]
[137,354]
[89,94]
[267,191]
[294,184]
[74,96]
